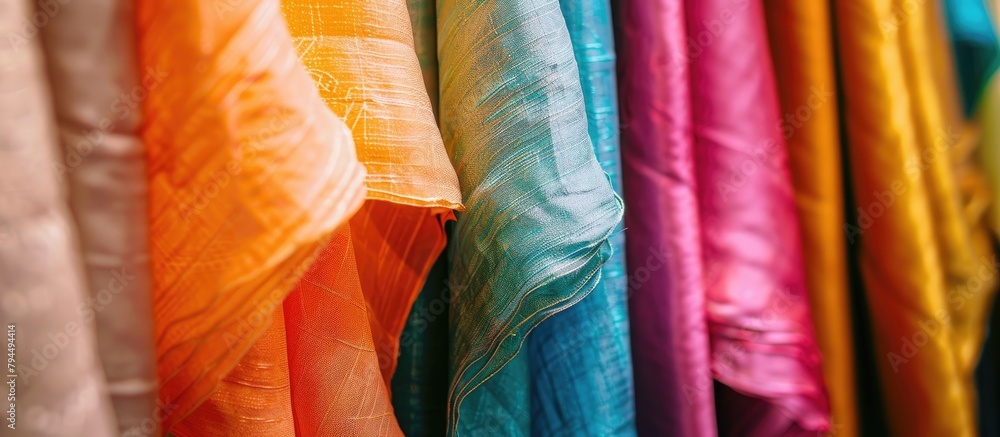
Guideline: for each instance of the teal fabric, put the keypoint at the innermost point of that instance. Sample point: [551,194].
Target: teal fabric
[976,49]
[539,208]
[420,384]
[580,359]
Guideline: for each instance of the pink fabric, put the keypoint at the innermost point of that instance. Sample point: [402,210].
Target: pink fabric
[670,347]
[762,338]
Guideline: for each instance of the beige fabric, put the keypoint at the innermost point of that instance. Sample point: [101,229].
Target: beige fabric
[60,385]
[90,54]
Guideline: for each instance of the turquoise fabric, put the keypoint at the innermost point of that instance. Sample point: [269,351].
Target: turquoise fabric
[580,359]
[539,208]
[976,50]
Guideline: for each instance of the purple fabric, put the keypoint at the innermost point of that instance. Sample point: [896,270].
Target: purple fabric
[670,346]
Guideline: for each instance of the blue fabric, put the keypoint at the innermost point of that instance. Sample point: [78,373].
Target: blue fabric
[580,359]
[539,208]
[976,49]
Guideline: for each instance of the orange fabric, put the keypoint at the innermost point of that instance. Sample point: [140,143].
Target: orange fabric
[247,172]
[362,56]
[336,388]
[344,320]
[802,49]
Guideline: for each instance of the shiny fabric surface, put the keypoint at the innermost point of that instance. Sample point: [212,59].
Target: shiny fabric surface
[248,172]
[580,358]
[925,253]
[669,332]
[539,209]
[106,170]
[763,346]
[801,39]
[60,385]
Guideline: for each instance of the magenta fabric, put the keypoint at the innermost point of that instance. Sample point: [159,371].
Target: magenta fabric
[763,346]
[670,346]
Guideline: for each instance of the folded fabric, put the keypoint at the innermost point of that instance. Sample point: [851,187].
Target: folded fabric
[539,208]
[925,252]
[802,48]
[343,321]
[248,172]
[580,359]
[107,181]
[47,318]
[420,384]
[670,348]
[764,352]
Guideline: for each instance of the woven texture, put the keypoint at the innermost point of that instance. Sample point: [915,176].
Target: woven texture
[669,331]
[60,385]
[802,48]
[539,208]
[924,250]
[248,172]
[106,171]
[581,364]
[347,313]
[763,348]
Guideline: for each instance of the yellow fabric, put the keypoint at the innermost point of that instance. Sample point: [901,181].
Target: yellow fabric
[802,49]
[925,255]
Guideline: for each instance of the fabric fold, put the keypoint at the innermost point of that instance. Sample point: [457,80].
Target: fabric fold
[580,358]
[342,333]
[248,173]
[107,181]
[764,352]
[667,314]
[925,254]
[801,39]
[45,310]
[539,209]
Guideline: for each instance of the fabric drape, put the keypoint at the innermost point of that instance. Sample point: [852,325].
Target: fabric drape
[925,254]
[106,171]
[801,38]
[669,332]
[248,173]
[764,352]
[60,384]
[539,209]
[346,315]
[580,359]
[420,384]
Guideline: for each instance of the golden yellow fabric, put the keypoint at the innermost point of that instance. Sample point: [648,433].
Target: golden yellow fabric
[248,171]
[802,49]
[362,56]
[348,311]
[925,255]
